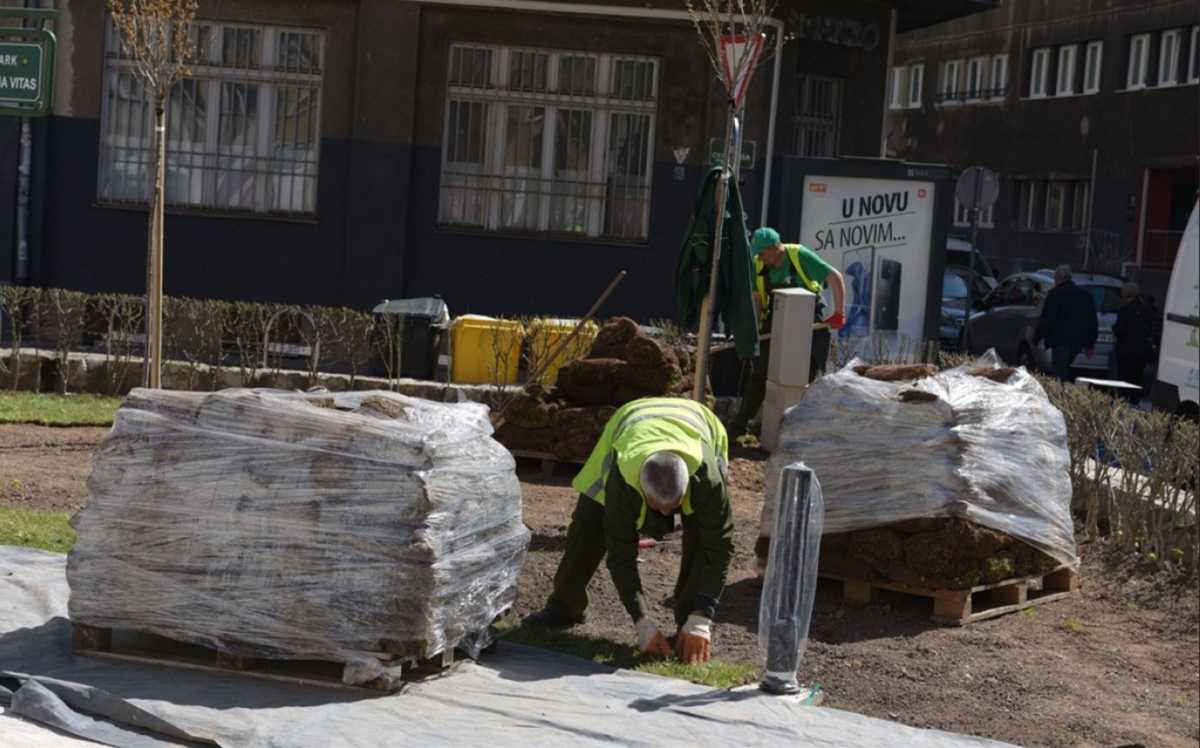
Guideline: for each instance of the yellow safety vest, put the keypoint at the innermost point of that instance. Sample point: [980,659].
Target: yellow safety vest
[793,253]
[643,427]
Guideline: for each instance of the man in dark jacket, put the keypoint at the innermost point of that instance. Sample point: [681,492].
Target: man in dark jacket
[1068,323]
[1134,334]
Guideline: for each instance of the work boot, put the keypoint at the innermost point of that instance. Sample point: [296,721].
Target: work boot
[548,618]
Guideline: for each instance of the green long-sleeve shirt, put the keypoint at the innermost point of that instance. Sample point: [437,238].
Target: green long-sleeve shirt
[708,539]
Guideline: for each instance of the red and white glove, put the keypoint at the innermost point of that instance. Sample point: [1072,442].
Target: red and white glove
[694,642]
[836,321]
[650,640]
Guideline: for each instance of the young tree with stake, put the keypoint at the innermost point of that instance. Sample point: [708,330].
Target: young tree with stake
[732,34]
[156,38]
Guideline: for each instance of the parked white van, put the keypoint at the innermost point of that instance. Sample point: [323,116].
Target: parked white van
[1177,389]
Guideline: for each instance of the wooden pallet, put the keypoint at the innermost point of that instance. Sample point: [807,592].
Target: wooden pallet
[149,649]
[960,607]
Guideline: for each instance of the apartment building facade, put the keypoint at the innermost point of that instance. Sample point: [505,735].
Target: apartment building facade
[1089,112]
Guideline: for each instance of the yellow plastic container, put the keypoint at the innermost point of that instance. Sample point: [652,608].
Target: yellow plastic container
[545,335]
[485,350]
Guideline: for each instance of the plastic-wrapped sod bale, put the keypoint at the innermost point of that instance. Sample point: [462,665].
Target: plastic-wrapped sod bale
[790,585]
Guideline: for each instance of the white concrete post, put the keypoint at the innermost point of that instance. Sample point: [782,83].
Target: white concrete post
[791,350]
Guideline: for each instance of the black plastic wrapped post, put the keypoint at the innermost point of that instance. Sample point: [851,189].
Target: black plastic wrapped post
[791,579]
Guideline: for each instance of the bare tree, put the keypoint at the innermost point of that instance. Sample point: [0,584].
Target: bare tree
[156,37]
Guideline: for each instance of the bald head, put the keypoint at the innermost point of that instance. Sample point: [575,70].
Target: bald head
[664,479]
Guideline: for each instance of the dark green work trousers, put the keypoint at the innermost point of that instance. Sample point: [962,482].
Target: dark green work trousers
[755,388]
[586,546]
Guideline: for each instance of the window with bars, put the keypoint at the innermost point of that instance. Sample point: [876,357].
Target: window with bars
[548,141]
[818,120]
[243,132]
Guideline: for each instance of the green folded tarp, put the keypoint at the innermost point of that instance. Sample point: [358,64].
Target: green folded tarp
[735,283]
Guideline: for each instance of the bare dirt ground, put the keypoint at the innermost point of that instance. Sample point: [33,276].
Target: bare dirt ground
[46,468]
[1117,664]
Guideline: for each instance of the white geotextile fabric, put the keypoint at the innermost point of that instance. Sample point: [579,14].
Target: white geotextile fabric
[519,697]
[991,453]
[298,526]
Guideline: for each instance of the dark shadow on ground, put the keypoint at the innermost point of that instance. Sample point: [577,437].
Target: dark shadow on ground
[834,622]
[540,541]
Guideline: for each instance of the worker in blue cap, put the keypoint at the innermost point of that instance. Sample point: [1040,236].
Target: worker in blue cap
[778,265]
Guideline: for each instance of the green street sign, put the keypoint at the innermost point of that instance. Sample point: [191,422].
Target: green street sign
[716,153]
[20,72]
[27,46]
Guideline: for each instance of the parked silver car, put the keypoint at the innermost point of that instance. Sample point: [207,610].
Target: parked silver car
[1006,318]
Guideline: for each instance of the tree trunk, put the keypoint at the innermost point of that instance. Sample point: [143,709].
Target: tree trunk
[152,370]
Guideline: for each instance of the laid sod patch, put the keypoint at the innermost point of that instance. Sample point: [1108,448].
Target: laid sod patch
[57,410]
[715,673]
[46,530]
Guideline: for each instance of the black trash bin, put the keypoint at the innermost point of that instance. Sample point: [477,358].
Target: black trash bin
[418,324]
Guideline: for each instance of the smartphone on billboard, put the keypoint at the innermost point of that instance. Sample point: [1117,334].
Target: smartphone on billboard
[887,296]
[858,269]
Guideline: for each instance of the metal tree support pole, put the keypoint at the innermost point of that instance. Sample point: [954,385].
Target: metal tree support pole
[971,264]
[152,369]
[790,584]
[707,308]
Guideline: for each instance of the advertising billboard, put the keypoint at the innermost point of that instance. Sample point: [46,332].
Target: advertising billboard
[878,234]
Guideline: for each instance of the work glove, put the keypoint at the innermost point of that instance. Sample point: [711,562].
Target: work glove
[650,641]
[693,645]
[836,321]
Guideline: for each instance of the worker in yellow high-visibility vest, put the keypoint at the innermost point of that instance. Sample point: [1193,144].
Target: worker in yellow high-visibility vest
[656,456]
[778,265]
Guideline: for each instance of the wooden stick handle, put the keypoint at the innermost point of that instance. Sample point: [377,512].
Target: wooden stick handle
[498,417]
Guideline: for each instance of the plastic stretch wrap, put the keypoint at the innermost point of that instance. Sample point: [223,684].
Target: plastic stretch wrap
[286,525]
[993,453]
[790,586]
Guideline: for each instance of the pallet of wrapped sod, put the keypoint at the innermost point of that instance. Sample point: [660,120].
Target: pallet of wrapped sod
[353,528]
[935,481]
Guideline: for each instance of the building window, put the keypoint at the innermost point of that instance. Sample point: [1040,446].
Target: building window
[1066,70]
[242,133]
[1091,67]
[1056,199]
[1079,209]
[1139,50]
[916,84]
[899,87]
[1168,58]
[1194,56]
[975,70]
[819,116]
[1027,203]
[1038,72]
[999,76]
[548,141]
[948,86]
[962,216]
